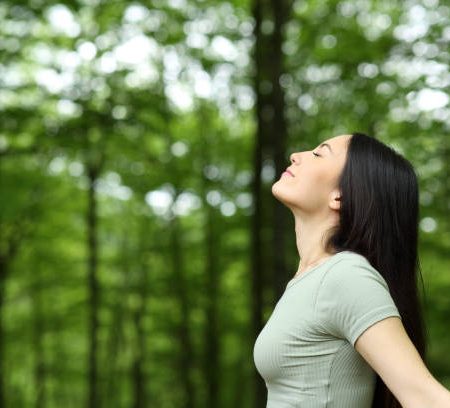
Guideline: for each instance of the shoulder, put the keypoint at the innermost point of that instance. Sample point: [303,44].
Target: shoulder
[351,268]
[352,295]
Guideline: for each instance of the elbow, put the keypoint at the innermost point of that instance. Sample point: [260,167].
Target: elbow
[441,398]
[430,395]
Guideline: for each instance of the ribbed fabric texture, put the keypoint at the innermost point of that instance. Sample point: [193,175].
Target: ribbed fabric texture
[305,352]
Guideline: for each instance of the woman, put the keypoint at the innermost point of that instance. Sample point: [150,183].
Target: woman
[348,330]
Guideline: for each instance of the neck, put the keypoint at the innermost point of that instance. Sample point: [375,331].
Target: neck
[310,236]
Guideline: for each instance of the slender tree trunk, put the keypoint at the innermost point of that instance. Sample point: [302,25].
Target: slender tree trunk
[256,265]
[38,330]
[270,143]
[139,377]
[185,360]
[3,269]
[93,286]
[182,331]
[138,374]
[278,143]
[115,337]
[238,399]
[212,292]
[8,251]
[212,284]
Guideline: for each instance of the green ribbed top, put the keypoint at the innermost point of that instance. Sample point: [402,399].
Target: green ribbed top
[305,352]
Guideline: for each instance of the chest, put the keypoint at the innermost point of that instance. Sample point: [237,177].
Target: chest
[291,344]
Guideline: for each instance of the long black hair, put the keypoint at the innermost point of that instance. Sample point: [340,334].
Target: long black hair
[379,217]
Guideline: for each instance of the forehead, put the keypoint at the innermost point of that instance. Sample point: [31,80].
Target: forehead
[338,143]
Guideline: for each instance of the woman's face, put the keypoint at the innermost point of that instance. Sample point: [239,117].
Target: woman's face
[312,185]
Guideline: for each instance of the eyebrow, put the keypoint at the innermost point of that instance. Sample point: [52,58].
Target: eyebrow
[326,145]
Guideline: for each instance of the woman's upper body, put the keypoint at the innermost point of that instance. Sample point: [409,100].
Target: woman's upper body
[357,313]
[334,325]
[305,352]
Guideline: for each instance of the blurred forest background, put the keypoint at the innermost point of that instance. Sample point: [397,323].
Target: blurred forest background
[141,250]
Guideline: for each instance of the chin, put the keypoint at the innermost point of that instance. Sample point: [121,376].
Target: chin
[278,193]
[285,196]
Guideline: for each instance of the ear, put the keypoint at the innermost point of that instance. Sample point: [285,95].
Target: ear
[335,200]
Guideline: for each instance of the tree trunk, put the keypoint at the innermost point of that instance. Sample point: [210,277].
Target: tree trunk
[256,263]
[116,333]
[3,269]
[38,330]
[93,287]
[239,383]
[8,251]
[270,145]
[138,374]
[278,144]
[212,292]
[139,377]
[211,368]
[182,331]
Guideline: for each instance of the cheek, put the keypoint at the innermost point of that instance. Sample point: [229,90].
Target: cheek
[325,177]
[315,179]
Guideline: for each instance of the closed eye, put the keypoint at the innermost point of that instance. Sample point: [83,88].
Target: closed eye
[315,154]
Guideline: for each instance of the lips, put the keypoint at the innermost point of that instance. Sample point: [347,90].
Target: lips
[289,172]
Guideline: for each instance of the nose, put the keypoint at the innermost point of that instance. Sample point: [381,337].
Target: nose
[293,157]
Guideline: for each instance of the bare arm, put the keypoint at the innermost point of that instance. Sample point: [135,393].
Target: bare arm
[388,349]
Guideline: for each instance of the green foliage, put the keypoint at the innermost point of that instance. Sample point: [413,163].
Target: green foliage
[154,103]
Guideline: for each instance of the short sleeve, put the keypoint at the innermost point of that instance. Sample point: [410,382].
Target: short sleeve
[352,297]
